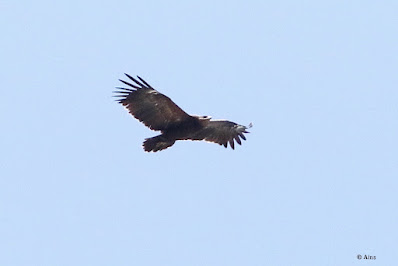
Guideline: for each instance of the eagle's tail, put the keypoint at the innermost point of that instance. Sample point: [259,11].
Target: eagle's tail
[157,143]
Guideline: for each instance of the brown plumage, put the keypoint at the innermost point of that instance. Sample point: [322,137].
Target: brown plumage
[159,112]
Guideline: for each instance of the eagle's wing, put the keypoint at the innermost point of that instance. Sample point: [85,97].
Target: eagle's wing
[155,110]
[222,132]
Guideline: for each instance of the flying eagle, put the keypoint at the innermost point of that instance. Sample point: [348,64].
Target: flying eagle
[159,112]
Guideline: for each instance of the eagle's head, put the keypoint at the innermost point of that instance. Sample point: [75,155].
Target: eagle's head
[202,117]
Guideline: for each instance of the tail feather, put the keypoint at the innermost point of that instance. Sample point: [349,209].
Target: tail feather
[157,143]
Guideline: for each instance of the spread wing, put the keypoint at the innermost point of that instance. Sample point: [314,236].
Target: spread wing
[155,110]
[222,132]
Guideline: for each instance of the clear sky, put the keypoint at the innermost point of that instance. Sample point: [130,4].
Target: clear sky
[314,184]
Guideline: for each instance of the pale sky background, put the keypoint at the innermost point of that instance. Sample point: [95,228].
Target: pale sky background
[314,184]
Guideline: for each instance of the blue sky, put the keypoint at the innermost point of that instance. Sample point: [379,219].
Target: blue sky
[314,184]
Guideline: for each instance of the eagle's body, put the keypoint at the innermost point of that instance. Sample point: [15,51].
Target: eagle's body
[159,112]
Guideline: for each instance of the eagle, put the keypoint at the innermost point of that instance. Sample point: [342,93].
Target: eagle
[160,113]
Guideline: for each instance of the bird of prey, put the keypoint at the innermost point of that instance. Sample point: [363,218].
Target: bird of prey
[160,113]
